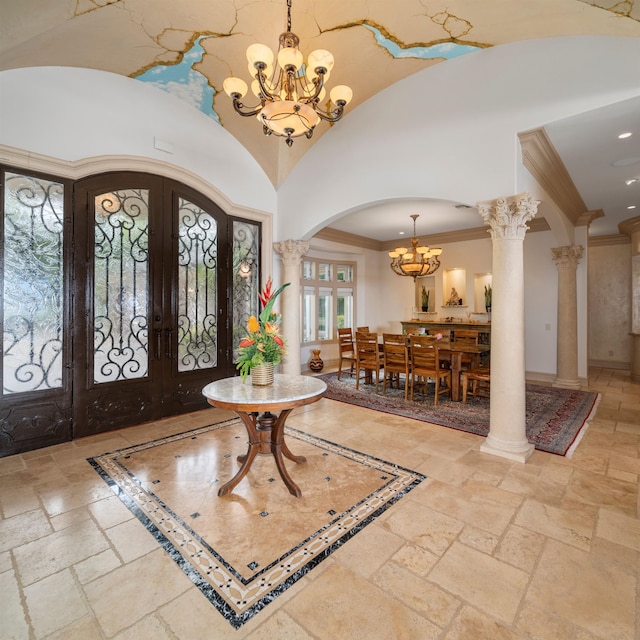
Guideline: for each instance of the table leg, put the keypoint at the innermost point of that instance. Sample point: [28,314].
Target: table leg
[456,368]
[255,442]
[278,447]
[266,435]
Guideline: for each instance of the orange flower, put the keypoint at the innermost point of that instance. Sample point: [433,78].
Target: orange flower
[279,340]
[253,326]
[271,328]
[246,342]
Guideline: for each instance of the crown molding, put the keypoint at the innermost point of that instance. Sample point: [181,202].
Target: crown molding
[588,217]
[463,235]
[606,241]
[540,157]
[352,239]
[630,226]
[435,239]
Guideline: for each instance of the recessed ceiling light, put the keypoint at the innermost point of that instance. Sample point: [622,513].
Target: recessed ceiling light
[630,181]
[631,206]
[626,134]
[625,162]
[400,233]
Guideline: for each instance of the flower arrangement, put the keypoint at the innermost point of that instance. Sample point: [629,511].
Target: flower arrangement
[263,342]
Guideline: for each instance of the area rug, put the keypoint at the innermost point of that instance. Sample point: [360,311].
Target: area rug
[245,549]
[555,418]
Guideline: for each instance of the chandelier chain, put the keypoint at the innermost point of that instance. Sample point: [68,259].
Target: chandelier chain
[288,15]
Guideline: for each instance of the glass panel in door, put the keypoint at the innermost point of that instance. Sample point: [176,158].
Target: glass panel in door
[121,285]
[35,399]
[246,277]
[197,288]
[33,284]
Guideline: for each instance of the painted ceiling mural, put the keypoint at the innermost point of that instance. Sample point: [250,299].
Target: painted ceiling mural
[188,47]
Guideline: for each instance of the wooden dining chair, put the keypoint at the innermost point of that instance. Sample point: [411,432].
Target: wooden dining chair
[467,337]
[346,351]
[425,364]
[395,361]
[363,330]
[368,359]
[480,379]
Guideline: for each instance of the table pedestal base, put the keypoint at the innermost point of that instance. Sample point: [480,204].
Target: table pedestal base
[266,435]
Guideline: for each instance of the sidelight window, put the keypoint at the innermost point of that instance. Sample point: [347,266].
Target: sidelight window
[32,311]
[246,277]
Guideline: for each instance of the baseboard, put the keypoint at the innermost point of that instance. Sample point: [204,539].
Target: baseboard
[549,378]
[537,376]
[609,364]
[330,364]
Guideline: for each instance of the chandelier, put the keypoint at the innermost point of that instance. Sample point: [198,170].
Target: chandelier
[289,91]
[416,261]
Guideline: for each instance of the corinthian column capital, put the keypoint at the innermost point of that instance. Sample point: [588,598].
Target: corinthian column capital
[567,257]
[291,251]
[507,217]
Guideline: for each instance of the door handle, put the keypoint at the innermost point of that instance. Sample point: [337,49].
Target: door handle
[168,344]
[157,334]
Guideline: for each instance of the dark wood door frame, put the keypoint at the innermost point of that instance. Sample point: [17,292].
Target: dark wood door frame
[79,407]
[105,406]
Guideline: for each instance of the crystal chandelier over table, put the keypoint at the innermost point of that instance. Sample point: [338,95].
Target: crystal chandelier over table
[291,93]
[417,261]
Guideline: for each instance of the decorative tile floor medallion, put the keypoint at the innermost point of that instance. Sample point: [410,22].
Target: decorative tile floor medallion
[243,550]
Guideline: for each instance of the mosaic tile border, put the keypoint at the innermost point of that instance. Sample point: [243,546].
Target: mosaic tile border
[238,598]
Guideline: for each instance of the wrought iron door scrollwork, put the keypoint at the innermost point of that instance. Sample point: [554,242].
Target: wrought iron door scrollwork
[197,288]
[121,283]
[33,284]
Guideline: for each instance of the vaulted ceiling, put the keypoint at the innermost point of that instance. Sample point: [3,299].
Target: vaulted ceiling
[188,47]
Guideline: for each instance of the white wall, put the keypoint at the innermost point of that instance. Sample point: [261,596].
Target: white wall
[450,131]
[74,114]
[540,303]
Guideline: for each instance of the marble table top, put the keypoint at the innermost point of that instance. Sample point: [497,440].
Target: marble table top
[285,388]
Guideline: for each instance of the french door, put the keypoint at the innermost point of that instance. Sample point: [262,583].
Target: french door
[147,282]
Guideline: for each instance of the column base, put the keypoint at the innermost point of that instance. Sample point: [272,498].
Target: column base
[635,356]
[504,449]
[566,384]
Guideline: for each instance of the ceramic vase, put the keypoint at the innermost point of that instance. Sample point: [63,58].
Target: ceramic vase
[316,363]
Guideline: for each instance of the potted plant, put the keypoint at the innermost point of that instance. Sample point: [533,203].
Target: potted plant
[263,347]
[425,299]
[487,297]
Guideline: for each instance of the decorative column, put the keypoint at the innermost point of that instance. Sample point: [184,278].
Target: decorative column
[507,218]
[291,252]
[566,259]
[631,228]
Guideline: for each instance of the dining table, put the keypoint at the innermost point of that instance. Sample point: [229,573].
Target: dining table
[452,352]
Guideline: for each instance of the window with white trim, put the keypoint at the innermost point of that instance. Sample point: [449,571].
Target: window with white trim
[328,298]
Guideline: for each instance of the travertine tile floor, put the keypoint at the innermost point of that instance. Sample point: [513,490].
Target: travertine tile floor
[484,549]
